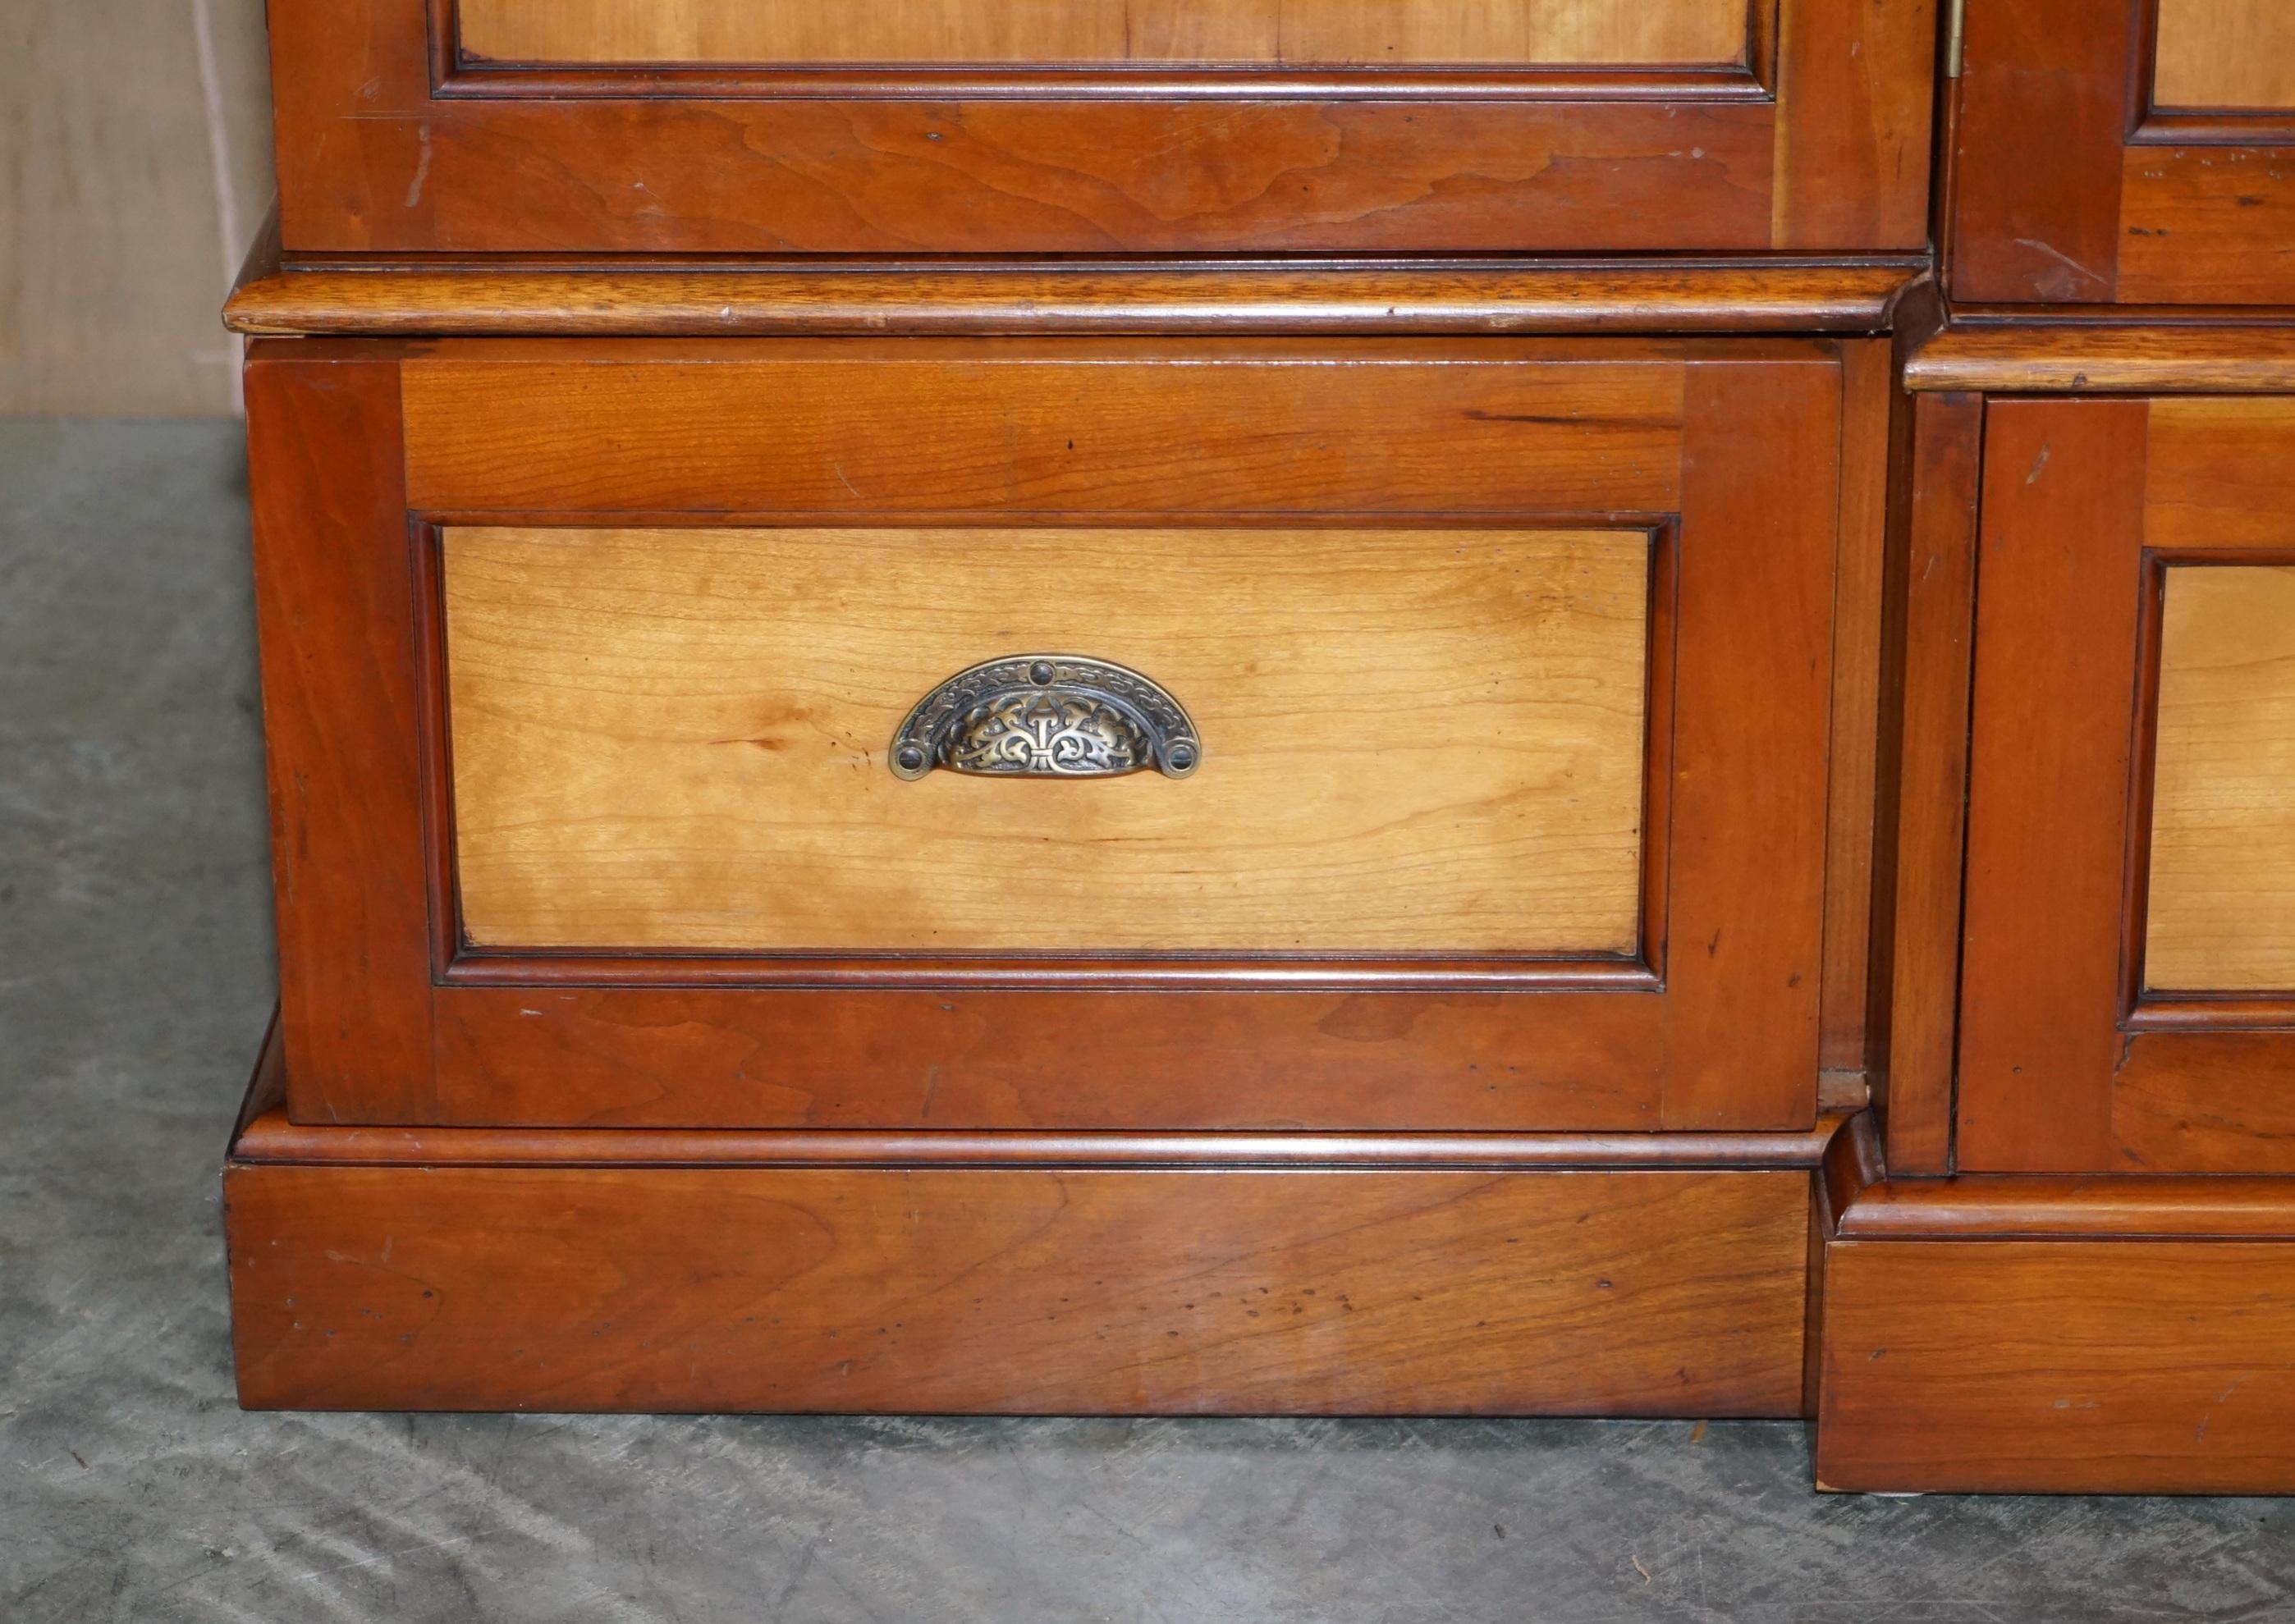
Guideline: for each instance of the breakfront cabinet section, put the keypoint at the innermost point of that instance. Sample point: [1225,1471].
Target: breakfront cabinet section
[915,734]
[1169,126]
[2105,599]
[2124,152]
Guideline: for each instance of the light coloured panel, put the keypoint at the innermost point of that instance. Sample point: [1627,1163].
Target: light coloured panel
[1303,33]
[2222,915]
[2224,54]
[1413,740]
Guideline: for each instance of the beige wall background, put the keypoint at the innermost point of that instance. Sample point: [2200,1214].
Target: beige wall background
[135,165]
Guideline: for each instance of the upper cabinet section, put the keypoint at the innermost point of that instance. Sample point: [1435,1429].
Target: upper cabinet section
[1102,127]
[2130,152]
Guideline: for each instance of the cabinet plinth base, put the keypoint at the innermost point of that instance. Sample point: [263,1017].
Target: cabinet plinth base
[570,1271]
[2061,1335]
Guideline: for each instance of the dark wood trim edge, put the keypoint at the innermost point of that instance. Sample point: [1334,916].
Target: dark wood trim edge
[2255,355]
[2010,1206]
[706,299]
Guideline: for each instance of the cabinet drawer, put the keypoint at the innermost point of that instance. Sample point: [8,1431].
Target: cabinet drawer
[1174,127]
[1002,734]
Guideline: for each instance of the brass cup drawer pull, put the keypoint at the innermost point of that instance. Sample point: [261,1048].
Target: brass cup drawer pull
[1047,716]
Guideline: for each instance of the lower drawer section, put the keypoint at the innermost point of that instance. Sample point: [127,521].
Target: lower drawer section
[1009,735]
[551,1277]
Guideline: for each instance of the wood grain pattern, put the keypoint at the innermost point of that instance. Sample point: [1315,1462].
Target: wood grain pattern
[1018,1290]
[1869,445]
[1413,740]
[1082,32]
[2207,222]
[2059,1366]
[1781,536]
[1655,296]
[2209,1101]
[1853,134]
[268,1136]
[868,427]
[2008,1207]
[1931,643]
[2070,187]
[332,588]
[2224,53]
[2065,1065]
[1738,442]
[2037,165]
[2048,784]
[2218,476]
[2107,358]
[2222,901]
[907,163]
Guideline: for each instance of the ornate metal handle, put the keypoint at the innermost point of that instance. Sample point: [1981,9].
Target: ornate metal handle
[1047,716]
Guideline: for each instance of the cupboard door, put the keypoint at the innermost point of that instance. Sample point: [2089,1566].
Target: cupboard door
[2139,153]
[2129,982]
[1487,788]
[1094,126]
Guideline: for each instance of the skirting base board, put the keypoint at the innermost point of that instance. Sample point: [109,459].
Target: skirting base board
[2061,1335]
[609,1271]
[2048,1334]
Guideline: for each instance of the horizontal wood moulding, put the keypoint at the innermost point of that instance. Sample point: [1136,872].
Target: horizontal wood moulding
[1080,33]
[271,1137]
[2176,357]
[1991,1207]
[2222,896]
[667,300]
[1412,741]
[2224,54]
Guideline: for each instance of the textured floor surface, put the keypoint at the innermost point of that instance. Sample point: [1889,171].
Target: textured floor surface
[134,977]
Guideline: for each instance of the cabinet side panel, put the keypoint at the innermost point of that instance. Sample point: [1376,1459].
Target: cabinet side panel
[335,598]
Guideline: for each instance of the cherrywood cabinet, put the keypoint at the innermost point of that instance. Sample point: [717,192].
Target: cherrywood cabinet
[1300,707]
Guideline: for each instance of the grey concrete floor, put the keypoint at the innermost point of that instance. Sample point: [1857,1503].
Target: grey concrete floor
[134,977]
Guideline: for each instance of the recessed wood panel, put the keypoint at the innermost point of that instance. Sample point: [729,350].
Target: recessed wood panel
[1413,740]
[2222,915]
[1321,33]
[2224,54]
